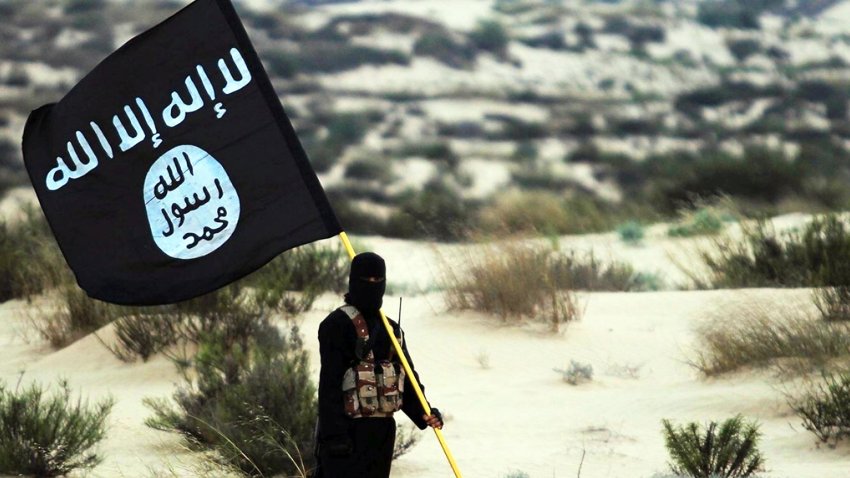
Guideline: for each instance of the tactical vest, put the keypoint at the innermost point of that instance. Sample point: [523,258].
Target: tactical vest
[370,388]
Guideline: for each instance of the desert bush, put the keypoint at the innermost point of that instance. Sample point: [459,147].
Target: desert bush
[30,260]
[253,402]
[370,169]
[281,63]
[441,46]
[743,48]
[437,212]
[833,303]
[49,435]
[571,271]
[753,334]
[728,449]
[525,152]
[764,258]
[330,57]
[824,407]
[761,174]
[511,281]
[490,35]
[728,13]
[439,151]
[292,281]
[576,373]
[406,437]
[699,222]
[76,315]
[546,212]
[630,232]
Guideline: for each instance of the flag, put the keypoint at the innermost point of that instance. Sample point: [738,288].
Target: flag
[172,169]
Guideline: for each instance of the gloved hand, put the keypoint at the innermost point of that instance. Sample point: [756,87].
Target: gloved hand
[339,446]
[435,420]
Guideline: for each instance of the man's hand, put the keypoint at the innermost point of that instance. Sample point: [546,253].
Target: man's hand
[435,419]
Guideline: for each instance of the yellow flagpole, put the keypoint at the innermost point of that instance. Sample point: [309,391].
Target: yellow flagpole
[410,377]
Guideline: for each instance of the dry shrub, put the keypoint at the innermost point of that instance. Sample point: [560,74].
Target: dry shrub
[510,280]
[754,334]
[824,407]
[833,303]
[544,212]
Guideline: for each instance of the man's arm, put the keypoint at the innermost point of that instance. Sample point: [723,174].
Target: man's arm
[333,422]
[411,405]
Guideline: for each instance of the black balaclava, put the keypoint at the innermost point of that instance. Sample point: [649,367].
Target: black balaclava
[366,296]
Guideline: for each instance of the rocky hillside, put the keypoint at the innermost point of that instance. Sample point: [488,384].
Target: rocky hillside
[424,116]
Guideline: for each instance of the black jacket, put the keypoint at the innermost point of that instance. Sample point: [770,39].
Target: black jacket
[337,340]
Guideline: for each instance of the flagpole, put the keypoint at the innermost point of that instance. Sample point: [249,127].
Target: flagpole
[404,363]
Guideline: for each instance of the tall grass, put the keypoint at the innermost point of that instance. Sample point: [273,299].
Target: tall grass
[755,334]
[511,281]
[49,435]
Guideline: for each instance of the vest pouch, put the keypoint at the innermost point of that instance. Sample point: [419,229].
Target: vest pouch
[389,394]
[349,392]
[367,389]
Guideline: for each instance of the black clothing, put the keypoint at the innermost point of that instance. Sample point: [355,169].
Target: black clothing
[372,438]
[366,296]
[370,456]
[337,342]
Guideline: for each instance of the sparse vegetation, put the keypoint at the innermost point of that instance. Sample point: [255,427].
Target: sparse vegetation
[756,334]
[47,435]
[728,449]
[576,373]
[631,232]
[794,258]
[406,437]
[512,282]
[253,401]
[824,407]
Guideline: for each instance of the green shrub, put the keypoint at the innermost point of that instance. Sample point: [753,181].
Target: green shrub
[744,48]
[439,151]
[53,435]
[441,46]
[703,221]
[437,212]
[511,281]
[630,232]
[370,169]
[30,260]
[490,35]
[728,449]
[812,257]
[252,402]
[576,373]
[316,57]
[728,13]
[825,407]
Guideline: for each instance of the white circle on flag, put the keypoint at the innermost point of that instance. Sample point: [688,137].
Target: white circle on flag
[191,204]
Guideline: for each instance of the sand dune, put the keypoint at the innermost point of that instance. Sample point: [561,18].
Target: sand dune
[516,415]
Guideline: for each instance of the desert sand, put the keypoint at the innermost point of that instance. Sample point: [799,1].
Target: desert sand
[515,413]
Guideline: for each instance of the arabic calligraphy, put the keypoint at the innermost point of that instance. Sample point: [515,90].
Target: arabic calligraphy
[191,203]
[130,124]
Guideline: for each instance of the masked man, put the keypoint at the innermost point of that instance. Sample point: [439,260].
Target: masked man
[362,382]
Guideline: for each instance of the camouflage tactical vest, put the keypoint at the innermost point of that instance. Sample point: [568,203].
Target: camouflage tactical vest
[370,388]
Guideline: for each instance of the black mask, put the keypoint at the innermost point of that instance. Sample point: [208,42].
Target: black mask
[365,295]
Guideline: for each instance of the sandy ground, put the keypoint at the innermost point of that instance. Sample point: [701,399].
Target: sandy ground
[515,414]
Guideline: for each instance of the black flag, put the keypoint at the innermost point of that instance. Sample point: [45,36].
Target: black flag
[171,169]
